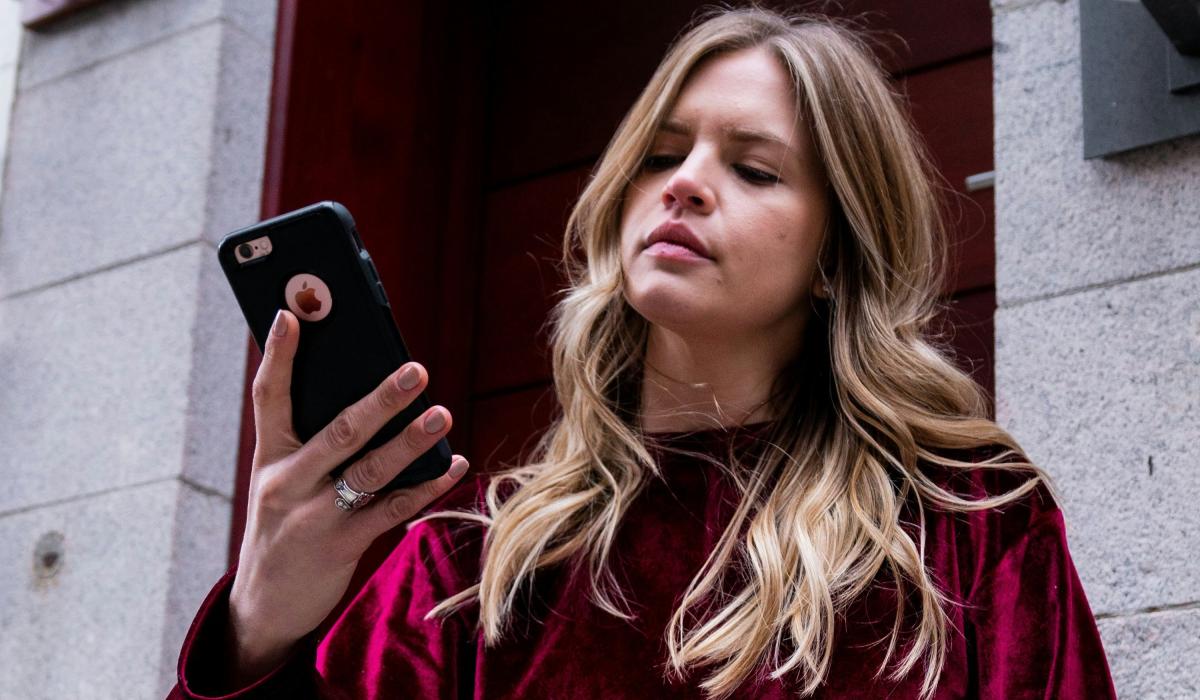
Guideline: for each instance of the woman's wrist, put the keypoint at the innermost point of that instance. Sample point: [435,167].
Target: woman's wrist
[252,655]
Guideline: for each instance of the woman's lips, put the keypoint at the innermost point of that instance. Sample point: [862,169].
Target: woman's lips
[673,251]
[678,233]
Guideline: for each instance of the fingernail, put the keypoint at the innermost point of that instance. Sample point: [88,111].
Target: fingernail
[409,378]
[279,328]
[457,468]
[435,421]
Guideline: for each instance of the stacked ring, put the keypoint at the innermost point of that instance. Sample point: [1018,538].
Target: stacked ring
[348,499]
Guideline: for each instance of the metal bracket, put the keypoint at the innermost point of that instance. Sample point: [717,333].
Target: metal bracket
[1138,89]
[1180,21]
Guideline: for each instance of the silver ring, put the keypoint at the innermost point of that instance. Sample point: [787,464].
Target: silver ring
[348,499]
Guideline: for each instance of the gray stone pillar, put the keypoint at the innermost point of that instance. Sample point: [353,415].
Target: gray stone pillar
[1098,344]
[137,140]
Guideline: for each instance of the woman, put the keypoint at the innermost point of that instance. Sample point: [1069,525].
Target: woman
[765,481]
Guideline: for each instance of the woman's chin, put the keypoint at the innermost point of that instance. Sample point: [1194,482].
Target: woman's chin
[675,312]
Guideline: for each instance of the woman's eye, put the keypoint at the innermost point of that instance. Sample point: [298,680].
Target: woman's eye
[756,176]
[661,162]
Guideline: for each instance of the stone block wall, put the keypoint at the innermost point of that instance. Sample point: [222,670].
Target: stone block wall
[1098,344]
[137,139]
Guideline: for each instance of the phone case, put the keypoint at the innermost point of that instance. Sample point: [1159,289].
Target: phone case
[346,354]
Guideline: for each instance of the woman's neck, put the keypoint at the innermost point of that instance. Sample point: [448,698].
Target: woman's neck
[694,383]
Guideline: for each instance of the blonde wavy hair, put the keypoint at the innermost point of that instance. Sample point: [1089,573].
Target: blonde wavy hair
[872,395]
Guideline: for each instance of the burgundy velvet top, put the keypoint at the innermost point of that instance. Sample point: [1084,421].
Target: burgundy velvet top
[1027,631]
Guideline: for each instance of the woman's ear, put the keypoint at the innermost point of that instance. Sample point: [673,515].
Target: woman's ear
[819,290]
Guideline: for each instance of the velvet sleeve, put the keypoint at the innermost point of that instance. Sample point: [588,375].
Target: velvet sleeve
[201,674]
[381,645]
[1034,633]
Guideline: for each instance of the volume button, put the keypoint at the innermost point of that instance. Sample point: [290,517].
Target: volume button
[368,265]
[373,277]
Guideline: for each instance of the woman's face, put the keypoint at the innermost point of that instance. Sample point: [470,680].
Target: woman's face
[734,167]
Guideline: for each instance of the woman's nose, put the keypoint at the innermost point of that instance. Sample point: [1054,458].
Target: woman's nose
[686,189]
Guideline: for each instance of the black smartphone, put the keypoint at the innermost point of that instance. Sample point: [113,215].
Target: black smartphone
[312,262]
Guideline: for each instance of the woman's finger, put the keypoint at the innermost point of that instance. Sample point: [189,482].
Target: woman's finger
[357,423]
[364,526]
[379,466]
[271,391]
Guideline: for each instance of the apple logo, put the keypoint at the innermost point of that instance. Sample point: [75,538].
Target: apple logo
[308,297]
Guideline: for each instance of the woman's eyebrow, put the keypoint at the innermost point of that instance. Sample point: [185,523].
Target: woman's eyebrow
[734,132]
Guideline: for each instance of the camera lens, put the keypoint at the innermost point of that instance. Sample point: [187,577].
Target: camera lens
[245,250]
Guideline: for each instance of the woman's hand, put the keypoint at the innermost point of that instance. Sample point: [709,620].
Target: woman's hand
[299,549]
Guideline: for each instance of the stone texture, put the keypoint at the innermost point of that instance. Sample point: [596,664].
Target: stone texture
[999,6]
[137,140]
[1153,656]
[10,35]
[1098,344]
[102,625]
[239,136]
[1063,223]
[216,380]
[121,377]
[198,557]
[1043,34]
[1098,386]
[7,76]
[103,163]
[116,27]
[132,131]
